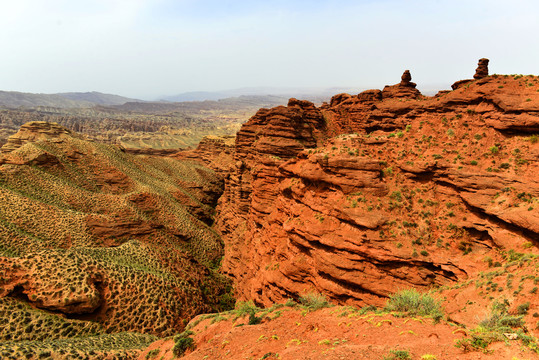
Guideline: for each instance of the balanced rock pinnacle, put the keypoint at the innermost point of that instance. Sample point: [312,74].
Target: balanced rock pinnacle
[404,89]
[482,69]
[406,78]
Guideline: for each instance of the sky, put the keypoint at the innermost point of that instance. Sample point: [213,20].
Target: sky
[150,48]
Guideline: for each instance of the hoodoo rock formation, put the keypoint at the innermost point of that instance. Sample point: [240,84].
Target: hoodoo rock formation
[482,69]
[406,79]
[405,89]
[381,191]
[480,73]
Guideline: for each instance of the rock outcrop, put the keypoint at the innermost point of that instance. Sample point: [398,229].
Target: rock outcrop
[405,89]
[35,131]
[215,152]
[480,73]
[376,192]
[482,69]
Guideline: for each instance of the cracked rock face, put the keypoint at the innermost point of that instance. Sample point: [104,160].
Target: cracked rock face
[376,192]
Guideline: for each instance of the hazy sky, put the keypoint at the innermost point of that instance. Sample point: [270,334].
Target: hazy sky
[148,48]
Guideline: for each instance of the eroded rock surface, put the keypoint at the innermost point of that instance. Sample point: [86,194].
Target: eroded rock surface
[382,191]
[35,131]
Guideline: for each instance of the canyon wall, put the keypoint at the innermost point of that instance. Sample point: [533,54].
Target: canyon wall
[382,191]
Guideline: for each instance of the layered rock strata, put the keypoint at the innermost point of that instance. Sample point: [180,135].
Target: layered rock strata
[376,192]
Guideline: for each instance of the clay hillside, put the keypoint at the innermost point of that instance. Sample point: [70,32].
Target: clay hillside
[383,225]
[101,252]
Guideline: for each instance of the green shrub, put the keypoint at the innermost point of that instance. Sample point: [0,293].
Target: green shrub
[522,309]
[398,355]
[314,301]
[182,342]
[245,308]
[152,354]
[254,320]
[414,303]
[492,328]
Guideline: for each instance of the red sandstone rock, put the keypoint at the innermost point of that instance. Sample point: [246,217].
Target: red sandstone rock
[339,98]
[404,89]
[482,69]
[365,214]
[370,96]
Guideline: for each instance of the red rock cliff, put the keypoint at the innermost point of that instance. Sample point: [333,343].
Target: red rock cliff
[378,192]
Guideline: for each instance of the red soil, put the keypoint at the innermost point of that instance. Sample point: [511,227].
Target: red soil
[333,333]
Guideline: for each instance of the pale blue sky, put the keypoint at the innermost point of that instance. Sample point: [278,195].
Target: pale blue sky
[149,48]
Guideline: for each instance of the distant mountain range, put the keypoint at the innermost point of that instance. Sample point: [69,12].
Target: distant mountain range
[61,100]
[14,99]
[313,94]
[97,98]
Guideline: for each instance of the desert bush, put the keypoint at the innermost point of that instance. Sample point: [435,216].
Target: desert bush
[314,301]
[414,303]
[398,355]
[183,342]
[494,326]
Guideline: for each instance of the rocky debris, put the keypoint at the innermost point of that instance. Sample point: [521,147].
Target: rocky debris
[482,69]
[36,131]
[405,89]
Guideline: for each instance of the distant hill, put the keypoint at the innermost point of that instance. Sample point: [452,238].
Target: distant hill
[313,94]
[144,125]
[253,102]
[96,98]
[64,100]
